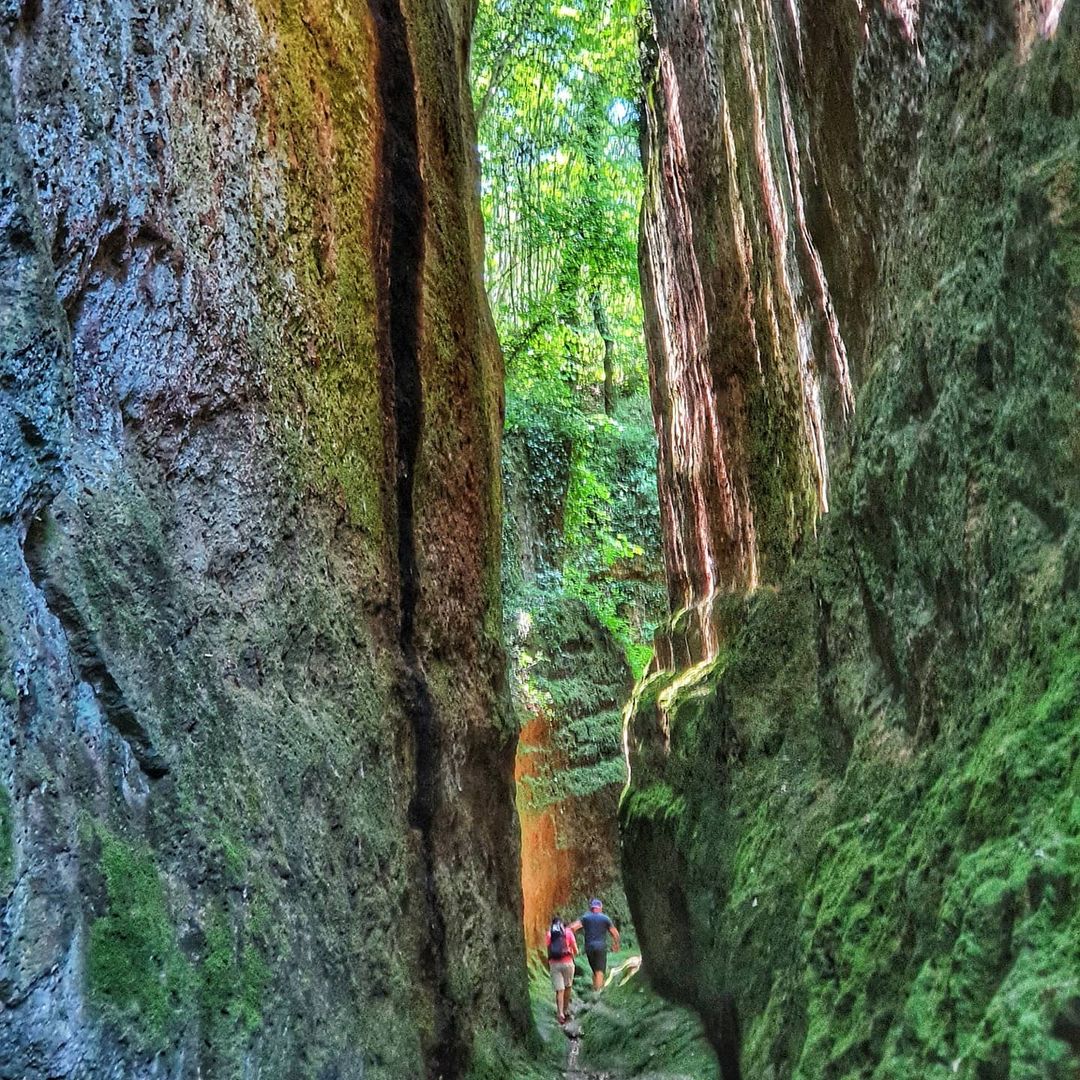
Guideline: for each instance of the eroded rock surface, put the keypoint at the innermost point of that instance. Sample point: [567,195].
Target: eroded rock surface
[853,772]
[256,800]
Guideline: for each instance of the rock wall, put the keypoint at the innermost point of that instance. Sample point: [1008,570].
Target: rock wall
[256,801]
[852,766]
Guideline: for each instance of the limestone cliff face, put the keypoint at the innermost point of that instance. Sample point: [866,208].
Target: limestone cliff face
[256,800]
[852,769]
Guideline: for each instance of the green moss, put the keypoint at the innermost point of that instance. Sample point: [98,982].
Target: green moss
[876,844]
[631,1031]
[784,492]
[571,670]
[136,974]
[496,1057]
[1064,196]
[7,847]
[323,374]
[938,922]
[234,856]
[233,978]
[656,802]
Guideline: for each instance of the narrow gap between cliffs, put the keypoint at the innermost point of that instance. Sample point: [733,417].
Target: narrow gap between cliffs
[556,93]
[401,214]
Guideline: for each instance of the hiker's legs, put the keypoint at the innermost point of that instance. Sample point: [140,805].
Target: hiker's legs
[557,986]
[598,963]
[562,977]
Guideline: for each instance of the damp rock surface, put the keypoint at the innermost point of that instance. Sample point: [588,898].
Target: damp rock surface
[853,765]
[256,774]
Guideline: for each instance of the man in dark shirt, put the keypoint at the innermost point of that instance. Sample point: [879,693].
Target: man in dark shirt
[597,926]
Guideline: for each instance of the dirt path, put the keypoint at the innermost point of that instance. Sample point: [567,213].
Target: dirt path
[575,1038]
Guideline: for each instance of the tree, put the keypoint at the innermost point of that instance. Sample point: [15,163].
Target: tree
[556,91]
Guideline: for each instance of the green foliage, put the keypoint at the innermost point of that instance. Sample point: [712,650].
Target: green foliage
[574,782]
[555,91]
[612,525]
[136,973]
[548,433]
[593,482]
[597,736]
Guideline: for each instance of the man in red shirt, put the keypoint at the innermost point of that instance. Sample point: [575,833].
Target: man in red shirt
[562,948]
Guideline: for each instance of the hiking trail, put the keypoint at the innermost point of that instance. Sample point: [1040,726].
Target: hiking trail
[572,1072]
[629,1031]
[575,1033]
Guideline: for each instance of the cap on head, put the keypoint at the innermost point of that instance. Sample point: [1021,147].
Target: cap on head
[594,904]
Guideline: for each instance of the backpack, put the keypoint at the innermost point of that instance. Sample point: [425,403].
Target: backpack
[557,947]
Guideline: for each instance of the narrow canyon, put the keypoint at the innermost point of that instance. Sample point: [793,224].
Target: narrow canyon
[375,584]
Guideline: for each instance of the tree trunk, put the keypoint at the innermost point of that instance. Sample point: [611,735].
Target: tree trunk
[603,328]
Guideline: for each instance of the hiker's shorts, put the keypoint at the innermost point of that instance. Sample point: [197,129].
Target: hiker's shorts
[562,975]
[597,960]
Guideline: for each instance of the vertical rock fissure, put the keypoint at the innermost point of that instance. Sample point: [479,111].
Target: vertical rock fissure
[401,212]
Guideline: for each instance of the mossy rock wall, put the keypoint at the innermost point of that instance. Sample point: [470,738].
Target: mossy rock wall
[256,754]
[854,789]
